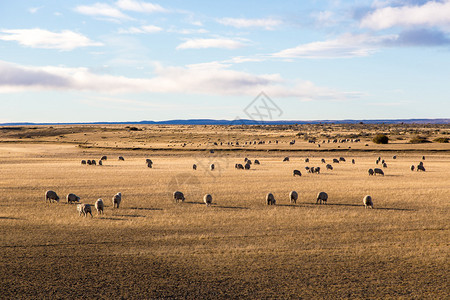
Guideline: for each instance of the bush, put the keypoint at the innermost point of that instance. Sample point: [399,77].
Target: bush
[381,139]
[441,140]
[135,129]
[419,140]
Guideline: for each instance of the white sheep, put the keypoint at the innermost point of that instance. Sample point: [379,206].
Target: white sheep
[99,206]
[51,196]
[84,209]
[368,201]
[207,199]
[116,200]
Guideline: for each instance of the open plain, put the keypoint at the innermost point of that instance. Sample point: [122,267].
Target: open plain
[239,247]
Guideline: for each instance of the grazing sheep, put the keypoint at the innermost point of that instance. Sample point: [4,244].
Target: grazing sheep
[341,159]
[383,161]
[316,170]
[377,161]
[311,170]
[423,157]
[329,167]
[420,168]
[371,172]
[239,167]
[394,157]
[84,209]
[297,172]
[293,196]
[249,162]
[83,162]
[270,199]
[121,158]
[384,165]
[116,200]
[421,163]
[194,167]
[245,159]
[353,161]
[368,202]
[148,160]
[412,167]
[247,166]
[257,162]
[211,167]
[323,161]
[149,165]
[322,197]
[51,196]
[307,168]
[104,157]
[306,160]
[378,171]
[177,196]
[207,199]
[89,162]
[72,198]
[286,158]
[335,160]
[99,206]
[94,162]
[100,163]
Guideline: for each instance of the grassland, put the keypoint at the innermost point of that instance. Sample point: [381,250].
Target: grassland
[239,247]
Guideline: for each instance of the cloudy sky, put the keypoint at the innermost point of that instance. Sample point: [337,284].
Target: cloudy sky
[130,60]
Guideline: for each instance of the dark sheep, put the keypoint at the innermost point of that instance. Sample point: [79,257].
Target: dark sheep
[297,172]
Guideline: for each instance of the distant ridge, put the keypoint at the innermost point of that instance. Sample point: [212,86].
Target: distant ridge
[244,122]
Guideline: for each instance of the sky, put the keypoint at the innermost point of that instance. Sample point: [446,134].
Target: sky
[130,60]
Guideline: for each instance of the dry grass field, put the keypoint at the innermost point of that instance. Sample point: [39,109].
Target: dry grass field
[153,248]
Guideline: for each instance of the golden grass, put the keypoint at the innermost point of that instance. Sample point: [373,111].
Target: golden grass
[239,247]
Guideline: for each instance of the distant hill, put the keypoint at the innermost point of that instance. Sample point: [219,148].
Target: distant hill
[247,122]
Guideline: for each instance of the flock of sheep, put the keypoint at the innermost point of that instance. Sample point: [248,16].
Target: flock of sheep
[178,196]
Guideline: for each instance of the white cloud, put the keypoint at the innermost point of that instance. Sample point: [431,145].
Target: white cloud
[34,10]
[348,45]
[102,10]
[40,38]
[186,30]
[432,13]
[213,79]
[211,43]
[268,23]
[139,6]
[142,29]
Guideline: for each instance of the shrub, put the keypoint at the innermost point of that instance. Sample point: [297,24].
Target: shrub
[135,129]
[381,139]
[419,140]
[441,140]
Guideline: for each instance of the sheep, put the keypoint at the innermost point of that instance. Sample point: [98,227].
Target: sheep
[100,163]
[335,160]
[104,157]
[121,158]
[249,162]
[177,196]
[239,167]
[311,170]
[286,158]
[257,162]
[323,161]
[341,159]
[116,200]
[307,168]
[293,196]
[423,157]
[194,167]
[329,167]
[322,197]
[89,162]
[83,162]
[207,199]
[371,172]
[383,161]
[84,209]
[51,196]
[316,170]
[94,162]
[353,161]
[148,160]
[412,167]
[394,157]
[247,166]
[99,206]
[384,165]
[149,165]
[420,168]
[306,160]
[297,172]
[211,167]
[72,198]
[378,171]
[270,199]
[368,202]
[421,163]
[377,161]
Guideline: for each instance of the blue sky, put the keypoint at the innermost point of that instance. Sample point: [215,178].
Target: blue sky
[129,60]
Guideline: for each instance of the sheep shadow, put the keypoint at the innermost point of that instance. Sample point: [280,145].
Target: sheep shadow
[358,205]
[10,218]
[145,208]
[229,207]
[112,219]
[194,202]
[131,216]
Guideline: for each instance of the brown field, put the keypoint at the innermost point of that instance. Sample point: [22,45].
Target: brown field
[239,247]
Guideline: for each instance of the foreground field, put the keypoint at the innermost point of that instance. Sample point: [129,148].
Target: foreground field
[239,247]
